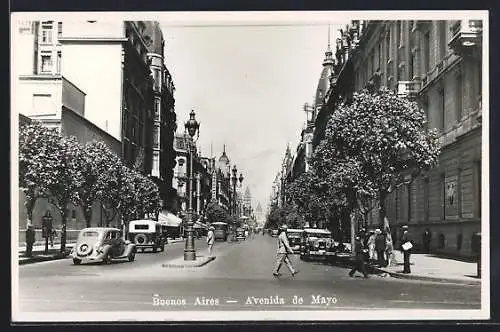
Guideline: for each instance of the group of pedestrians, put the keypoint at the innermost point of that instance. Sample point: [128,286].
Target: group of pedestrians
[377,248]
[380,247]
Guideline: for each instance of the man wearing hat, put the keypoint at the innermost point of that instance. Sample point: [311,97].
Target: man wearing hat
[30,239]
[380,247]
[282,254]
[359,262]
[210,240]
[406,246]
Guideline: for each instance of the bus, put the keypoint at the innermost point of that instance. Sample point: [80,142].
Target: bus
[221,230]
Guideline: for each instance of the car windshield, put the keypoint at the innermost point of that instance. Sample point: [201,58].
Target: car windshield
[139,226]
[294,235]
[90,234]
[319,236]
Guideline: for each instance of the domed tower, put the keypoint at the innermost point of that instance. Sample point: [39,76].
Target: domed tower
[324,79]
[224,163]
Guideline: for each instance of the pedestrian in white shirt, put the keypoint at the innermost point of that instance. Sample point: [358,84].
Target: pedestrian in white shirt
[210,240]
[282,254]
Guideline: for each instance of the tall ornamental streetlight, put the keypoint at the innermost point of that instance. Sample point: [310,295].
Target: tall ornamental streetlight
[241,179]
[192,127]
[234,179]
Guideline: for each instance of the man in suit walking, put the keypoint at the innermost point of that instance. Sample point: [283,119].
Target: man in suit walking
[359,263]
[210,240]
[282,254]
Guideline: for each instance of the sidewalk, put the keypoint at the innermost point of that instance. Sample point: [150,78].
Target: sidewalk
[424,267]
[38,253]
[430,268]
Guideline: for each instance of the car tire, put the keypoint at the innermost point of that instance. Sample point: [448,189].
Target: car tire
[131,256]
[162,248]
[77,261]
[140,239]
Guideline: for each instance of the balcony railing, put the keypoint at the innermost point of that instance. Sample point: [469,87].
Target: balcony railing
[466,34]
[409,89]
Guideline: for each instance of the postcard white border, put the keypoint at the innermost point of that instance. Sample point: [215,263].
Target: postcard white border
[263,18]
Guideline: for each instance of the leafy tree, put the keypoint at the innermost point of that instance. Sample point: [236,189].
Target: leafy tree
[69,178]
[373,143]
[93,163]
[215,213]
[112,184]
[150,197]
[39,159]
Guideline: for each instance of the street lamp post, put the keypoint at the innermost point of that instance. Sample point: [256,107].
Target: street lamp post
[241,179]
[193,128]
[234,181]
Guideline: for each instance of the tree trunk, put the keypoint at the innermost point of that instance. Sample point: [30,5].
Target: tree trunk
[382,212]
[63,229]
[87,213]
[353,232]
[30,205]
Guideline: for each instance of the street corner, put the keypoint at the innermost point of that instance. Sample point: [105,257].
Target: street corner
[181,263]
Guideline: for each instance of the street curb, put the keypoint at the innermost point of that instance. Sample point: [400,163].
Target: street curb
[472,282]
[39,259]
[180,265]
[426,278]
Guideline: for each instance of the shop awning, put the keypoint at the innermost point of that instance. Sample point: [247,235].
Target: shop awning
[169,219]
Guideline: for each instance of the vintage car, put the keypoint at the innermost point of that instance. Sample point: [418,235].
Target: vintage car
[221,230]
[317,244]
[147,233]
[294,239]
[101,244]
[240,234]
[274,233]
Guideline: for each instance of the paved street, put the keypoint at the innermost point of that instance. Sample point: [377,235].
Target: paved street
[241,274]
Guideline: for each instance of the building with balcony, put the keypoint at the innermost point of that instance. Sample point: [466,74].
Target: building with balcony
[439,65]
[93,80]
[164,117]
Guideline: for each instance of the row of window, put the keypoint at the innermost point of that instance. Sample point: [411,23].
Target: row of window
[374,64]
[452,203]
[47,62]
[47,32]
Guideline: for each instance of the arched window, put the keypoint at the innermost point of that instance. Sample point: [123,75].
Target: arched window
[441,241]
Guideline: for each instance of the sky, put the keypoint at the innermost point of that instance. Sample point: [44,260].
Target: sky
[247,85]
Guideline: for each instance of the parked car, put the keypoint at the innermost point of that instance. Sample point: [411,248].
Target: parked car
[295,239]
[147,233]
[317,244]
[274,233]
[101,244]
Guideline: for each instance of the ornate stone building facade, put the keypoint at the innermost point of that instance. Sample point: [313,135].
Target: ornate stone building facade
[439,64]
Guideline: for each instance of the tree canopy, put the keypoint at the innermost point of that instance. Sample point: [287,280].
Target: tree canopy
[372,143]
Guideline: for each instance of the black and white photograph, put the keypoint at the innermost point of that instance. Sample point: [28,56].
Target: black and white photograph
[250,166]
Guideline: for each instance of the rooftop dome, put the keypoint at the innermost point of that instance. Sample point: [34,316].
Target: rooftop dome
[324,79]
[223,157]
[154,37]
